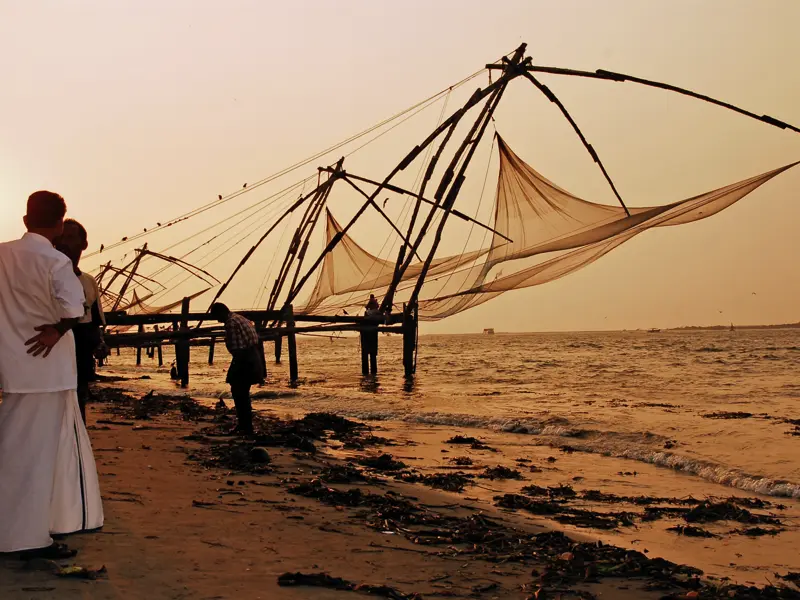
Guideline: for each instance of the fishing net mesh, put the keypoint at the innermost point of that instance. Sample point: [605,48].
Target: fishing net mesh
[553,233]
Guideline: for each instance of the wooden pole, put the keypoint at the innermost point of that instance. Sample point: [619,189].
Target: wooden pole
[129,278]
[364,353]
[263,363]
[299,246]
[450,186]
[211,350]
[158,349]
[278,344]
[554,99]
[479,95]
[175,337]
[183,345]
[250,252]
[621,77]
[292,343]
[409,339]
[139,349]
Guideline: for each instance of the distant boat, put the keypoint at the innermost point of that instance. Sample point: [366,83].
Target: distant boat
[732,327]
[654,330]
[489,331]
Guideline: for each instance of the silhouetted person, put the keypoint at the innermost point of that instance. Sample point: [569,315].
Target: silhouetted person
[246,370]
[88,334]
[372,303]
[369,338]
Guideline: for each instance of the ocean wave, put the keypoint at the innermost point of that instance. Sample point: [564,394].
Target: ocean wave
[628,446]
[716,473]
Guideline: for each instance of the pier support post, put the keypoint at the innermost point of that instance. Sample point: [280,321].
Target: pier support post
[291,343]
[364,353]
[263,362]
[211,345]
[278,344]
[183,352]
[158,349]
[410,325]
[369,349]
[139,348]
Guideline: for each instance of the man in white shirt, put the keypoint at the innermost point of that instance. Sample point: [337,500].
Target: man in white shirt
[48,477]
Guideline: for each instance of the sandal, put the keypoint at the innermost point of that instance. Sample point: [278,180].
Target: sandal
[52,552]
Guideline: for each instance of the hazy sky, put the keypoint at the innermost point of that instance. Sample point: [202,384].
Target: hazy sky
[140,110]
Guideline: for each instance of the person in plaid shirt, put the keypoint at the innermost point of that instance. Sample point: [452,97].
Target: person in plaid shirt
[247,368]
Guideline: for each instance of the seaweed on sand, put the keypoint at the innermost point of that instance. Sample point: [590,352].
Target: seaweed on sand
[345,473]
[727,415]
[473,442]
[384,462]
[757,531]
[709,512]
[500,472]
[559,562]
[690,531]
[125,405]
[337,583]
[562,513]
[450,482]
[234,455]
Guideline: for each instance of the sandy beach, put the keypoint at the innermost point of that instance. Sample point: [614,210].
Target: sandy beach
[191,513]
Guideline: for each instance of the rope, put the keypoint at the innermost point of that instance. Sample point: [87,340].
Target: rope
[275,209]
[286,170]
[263,288]
[406,205]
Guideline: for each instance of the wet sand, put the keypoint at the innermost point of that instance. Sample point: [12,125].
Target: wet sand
[181,523]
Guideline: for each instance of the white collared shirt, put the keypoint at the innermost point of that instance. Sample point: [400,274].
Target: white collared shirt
[37,287]
[91,295]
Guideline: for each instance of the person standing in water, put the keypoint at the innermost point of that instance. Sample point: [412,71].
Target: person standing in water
[88,333]
[246,370]
[369,338]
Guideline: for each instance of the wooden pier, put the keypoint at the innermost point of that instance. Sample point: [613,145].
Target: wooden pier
[189,330]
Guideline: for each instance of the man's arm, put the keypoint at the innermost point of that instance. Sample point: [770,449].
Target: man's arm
[48,336]
[68,293]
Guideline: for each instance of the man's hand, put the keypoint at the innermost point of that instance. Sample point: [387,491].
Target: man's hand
[43,342]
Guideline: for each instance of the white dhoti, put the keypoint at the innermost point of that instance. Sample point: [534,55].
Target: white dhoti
[48,477]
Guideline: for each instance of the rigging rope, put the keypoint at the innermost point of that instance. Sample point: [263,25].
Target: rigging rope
[406,205]
[265,219]
[286,170]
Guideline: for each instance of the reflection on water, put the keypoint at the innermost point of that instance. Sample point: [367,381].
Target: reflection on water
[641,396]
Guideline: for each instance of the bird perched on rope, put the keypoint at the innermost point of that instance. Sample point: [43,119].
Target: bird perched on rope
[244,186]
[101,247]
[219,196]
[384,202]
[125,239]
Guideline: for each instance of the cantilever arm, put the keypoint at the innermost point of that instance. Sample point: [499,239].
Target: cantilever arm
[380,210]
[552,97]
[185,265]
[399,190]
[612,76]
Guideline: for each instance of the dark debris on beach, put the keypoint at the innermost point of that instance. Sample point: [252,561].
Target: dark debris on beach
[558,562]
